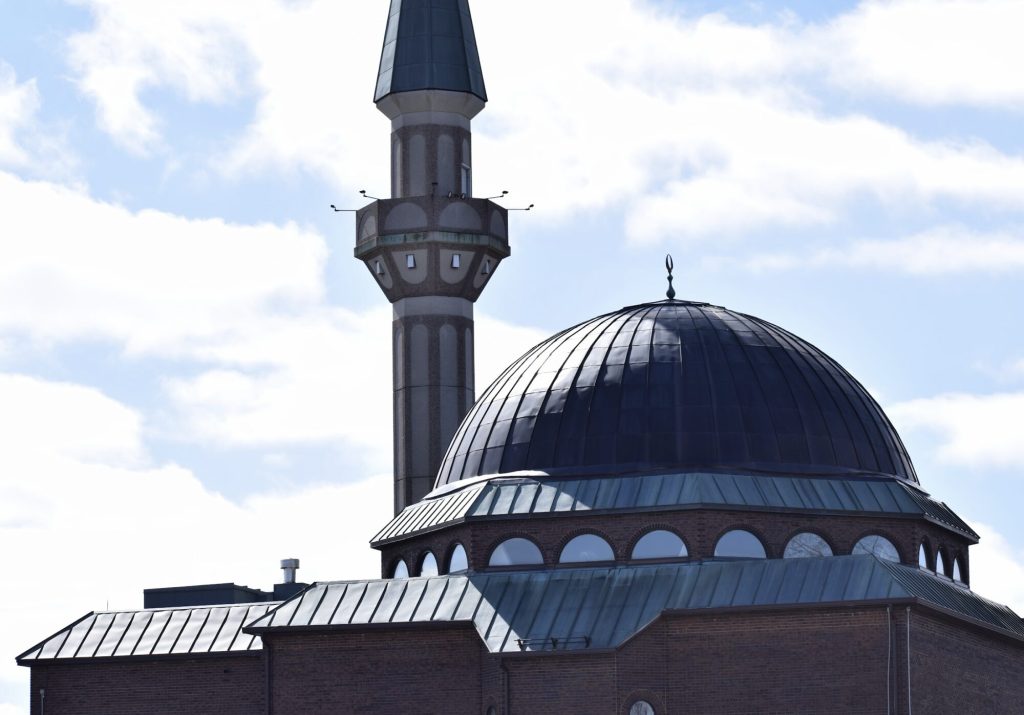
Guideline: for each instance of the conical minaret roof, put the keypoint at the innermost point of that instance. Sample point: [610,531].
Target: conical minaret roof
[430,44]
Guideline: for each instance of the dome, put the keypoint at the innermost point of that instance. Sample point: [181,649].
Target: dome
[675,385]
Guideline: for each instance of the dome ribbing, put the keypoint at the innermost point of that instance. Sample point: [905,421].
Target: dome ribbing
[675,385]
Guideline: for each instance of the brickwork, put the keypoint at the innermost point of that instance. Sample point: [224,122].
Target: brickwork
[961,670]
[170,686]
[425,671]
[699,529]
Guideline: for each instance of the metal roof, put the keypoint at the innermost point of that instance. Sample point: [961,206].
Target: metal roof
[153,632]
[580,608]
[521,496]
[430,44]
[675,385]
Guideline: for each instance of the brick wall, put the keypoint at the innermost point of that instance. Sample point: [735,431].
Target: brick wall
[231,685]
[961,670]
[403,670]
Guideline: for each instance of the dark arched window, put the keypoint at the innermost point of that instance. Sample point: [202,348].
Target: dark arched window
[805,545]
[400,570]
[739,544]
[428,567]
[956,570]
[659,544]
[516,552]
[586,547]
[458,562]
[940,564]
[877,545]
[922,557]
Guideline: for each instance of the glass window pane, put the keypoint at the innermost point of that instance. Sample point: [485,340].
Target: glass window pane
[516,552]
[940,564]
[807,545]
[739,544]
[877,545]
[956,569]
[922,557]
[641,707]
[429,565]
[458,562]
[586,547]
[659,544]
[400,570]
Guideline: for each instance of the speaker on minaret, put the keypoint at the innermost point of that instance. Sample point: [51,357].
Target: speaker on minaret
[431,247]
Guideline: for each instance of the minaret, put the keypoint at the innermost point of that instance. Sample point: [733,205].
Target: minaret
[431,247]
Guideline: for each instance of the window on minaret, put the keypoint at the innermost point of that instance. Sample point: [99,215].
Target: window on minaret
[410,261]
[467,187]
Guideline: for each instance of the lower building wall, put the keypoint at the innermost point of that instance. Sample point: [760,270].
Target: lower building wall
[809,661]
[850,660]
[427,671]
[961,670]
[230,685]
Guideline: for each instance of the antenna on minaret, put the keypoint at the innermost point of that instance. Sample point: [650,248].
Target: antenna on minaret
[669,265]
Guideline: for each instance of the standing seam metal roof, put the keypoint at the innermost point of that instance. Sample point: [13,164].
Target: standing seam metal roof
[581,608]
[521,496]
[153,632]
[675,385]
[430,44]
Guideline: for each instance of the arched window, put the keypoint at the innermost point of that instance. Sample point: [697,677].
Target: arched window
[922,557]
[659,544]
[586,547]
[458,562]
[492,710]
[807,545]
[428,567]
[400,570]
[940,564]
[739,544]
[877,545]
[641,707]
[956,569]
[516,552]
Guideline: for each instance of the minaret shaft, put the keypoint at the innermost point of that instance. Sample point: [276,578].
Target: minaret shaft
[431,160]
[431,247]
[433,387]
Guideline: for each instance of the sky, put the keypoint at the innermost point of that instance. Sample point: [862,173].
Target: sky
[194,371]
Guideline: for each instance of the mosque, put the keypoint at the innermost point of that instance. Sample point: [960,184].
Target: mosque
[669,508]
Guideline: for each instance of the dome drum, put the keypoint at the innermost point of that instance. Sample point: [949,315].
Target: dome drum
[699,529]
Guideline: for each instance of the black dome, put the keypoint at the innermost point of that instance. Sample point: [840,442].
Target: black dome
[675,385]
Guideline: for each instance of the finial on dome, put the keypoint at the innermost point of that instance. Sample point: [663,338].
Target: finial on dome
[669,265]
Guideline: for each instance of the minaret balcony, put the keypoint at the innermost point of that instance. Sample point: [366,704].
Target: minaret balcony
[432,245]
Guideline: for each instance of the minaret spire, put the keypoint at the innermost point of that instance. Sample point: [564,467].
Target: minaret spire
[431,247]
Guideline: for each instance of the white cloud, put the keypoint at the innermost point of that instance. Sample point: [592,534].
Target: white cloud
[18,103]
[185,45]
[46,418]
[86,517]
[930,51]
[696,126]
[939,251]
[81,268]
[997,569]
[976,430]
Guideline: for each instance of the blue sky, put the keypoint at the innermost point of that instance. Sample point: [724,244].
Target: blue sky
[194,371]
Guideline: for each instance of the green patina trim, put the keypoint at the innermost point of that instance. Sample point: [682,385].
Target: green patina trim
[463,239]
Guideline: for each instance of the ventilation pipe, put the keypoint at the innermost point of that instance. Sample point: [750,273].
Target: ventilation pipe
[289,566]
